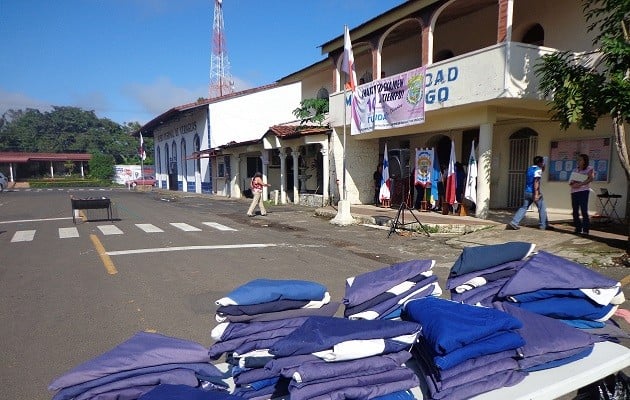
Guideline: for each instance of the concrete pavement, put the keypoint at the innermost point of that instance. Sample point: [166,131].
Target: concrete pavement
[605,243]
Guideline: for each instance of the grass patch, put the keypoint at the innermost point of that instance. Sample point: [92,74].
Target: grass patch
[67,182]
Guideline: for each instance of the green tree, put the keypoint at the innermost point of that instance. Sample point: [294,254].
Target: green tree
[581,94]
[70,129]
[102,166]
[311,111]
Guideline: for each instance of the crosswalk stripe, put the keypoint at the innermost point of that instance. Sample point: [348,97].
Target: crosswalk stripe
[73,232]
[23,236]
[218,226]
[149,228]
[65,233]
[110,230]
[185,227]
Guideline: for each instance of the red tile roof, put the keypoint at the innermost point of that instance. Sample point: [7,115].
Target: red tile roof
[18,157]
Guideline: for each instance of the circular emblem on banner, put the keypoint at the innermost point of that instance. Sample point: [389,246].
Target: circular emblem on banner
[415,89]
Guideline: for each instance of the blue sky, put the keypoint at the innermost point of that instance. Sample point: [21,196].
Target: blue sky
[131,60]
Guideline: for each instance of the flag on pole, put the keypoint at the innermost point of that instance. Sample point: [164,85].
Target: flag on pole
[436,177]
[470,192]
[384,193]
[347,63]
[141,152]
[450,177]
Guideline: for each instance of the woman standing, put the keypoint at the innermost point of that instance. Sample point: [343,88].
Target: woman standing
[257,185]
[580,181]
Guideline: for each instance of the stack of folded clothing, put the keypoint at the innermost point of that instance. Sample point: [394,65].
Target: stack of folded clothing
[464,350]
[479,273]
[380,294]
[138,365]
[336,358]
[270,300]
[559,288]
[256,315]
[548,342]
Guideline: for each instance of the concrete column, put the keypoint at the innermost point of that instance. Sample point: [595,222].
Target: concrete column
[325,172]
[296,172]
[52,172]
[283,175]
[265,166]
[11,177]
[238,177]
[484,166]
[506,16]
[82,172]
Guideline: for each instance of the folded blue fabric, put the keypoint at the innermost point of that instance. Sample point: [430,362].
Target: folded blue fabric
[567,308]
[448,326]
[481,257]
[365,286]
[267,290]
[322,333]
[144,349]
[173,377]
[400,395]
[233,330]
[320,370]
[178,392]
[548,271]
[493,344]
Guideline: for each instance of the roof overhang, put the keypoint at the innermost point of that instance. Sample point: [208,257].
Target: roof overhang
[16,157]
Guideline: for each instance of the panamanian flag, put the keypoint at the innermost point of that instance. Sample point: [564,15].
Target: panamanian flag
[384,193]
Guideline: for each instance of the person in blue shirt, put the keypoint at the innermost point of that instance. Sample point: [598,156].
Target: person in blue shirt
[532,194]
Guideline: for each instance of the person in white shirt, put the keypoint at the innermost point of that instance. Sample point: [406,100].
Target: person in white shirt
[582,176]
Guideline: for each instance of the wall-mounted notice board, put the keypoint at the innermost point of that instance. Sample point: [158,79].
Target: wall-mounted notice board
[563,157]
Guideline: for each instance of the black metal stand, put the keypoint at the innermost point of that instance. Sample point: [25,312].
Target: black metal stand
[399,221]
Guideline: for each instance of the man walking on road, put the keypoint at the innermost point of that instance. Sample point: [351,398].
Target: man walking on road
[532,194]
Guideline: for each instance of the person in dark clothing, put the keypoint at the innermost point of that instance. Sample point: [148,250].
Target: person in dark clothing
[378,176]
[460,181]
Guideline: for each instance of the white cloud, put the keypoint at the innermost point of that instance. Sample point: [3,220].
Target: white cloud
[162,95]
[20,101]
[96,101]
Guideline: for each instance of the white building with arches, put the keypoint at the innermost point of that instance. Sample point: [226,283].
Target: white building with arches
[480,86]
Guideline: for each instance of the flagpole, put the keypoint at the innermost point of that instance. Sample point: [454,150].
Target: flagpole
[345,192]
[142,157]
[344,216]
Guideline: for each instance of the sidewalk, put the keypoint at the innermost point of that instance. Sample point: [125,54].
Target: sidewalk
[605,244]
[435,222]
[455,224]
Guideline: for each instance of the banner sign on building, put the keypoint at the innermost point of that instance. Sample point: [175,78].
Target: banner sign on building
[391,102]
[423,167]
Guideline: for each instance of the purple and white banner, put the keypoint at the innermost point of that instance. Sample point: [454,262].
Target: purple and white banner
[391,102]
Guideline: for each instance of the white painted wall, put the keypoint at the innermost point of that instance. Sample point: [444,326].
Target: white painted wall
[248,117]
[173,132]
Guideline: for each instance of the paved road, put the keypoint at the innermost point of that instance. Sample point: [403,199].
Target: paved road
[70,292]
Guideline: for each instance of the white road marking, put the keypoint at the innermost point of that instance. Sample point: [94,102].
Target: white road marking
[34,220]
[185,227]
[110,230]
[23,236]
[186,248]
[65,233]
[149,228]
[218,226]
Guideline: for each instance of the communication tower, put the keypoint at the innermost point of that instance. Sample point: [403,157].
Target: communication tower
[221,82]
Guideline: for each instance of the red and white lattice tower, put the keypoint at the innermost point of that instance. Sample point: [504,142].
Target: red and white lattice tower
[220,78]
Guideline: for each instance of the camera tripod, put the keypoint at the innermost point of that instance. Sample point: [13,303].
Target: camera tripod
[399,221]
